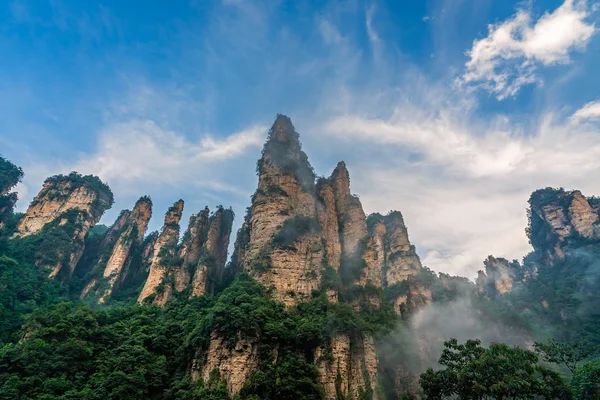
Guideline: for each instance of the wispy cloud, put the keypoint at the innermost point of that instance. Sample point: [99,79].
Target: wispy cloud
[507,59]
[590,111]
[136,153]
[461,181]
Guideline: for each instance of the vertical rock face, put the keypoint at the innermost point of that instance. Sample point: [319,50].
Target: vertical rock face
[192,243]
[213,253]
[165,250]
[328,219]
[124,238]
[498,277]
[389,250]
[349,369]
[351,217]
[283,203]
[234,365]
[71,204]
[559,219]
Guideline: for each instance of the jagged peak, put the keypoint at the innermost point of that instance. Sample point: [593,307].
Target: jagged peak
[283,130]
[173,215]
[340,181]
[284,150]
[144,199]
[340,172]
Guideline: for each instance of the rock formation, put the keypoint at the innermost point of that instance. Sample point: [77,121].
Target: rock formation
[68,206]
[213,253]
[122,241]
[350,369]
[234,365]
[297,230]
[197,263]
[163,258]
[500,275]
[560,219]
[191,245]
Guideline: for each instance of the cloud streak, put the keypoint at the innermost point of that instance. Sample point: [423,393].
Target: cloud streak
[590,112]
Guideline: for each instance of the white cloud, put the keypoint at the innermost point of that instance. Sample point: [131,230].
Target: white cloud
[509,56]
[140,152]
[461,181]
[590,111]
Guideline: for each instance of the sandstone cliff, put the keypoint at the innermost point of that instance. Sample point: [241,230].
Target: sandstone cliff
[300,237]
[67,206]
[284,249]
[348,368]
[500,275]
[164,256]
[234,365]
[560,219]
[191,245]
[122,241]
[212,257]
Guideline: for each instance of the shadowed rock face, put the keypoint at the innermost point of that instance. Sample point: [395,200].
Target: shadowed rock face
[213,254]
[73,204]
[193,241]
[165,251]
[500,276]
[123,239]
[559,219]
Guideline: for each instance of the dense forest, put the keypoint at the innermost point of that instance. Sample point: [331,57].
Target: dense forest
[57,343]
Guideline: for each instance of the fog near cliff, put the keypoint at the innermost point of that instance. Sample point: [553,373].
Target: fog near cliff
[418,344]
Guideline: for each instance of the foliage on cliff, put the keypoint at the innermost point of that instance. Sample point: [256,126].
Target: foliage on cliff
[76,180]
[284,150]
[10,175]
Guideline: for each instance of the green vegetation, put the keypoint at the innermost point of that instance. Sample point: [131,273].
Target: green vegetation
[554,351]
[498,372]
[10,175]
[77,180]
[142,352]
[586,381]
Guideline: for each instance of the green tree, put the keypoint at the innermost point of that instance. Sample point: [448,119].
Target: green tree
[569,355]
[586,381]
[500,372]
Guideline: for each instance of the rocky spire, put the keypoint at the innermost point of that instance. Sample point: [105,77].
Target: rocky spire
[351,217]
[71,204]
[211,263]
[191,246]
[165,251]
[328,219]
[294,231]
[124,238]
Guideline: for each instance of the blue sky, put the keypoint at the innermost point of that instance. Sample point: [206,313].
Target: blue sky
[451,111]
